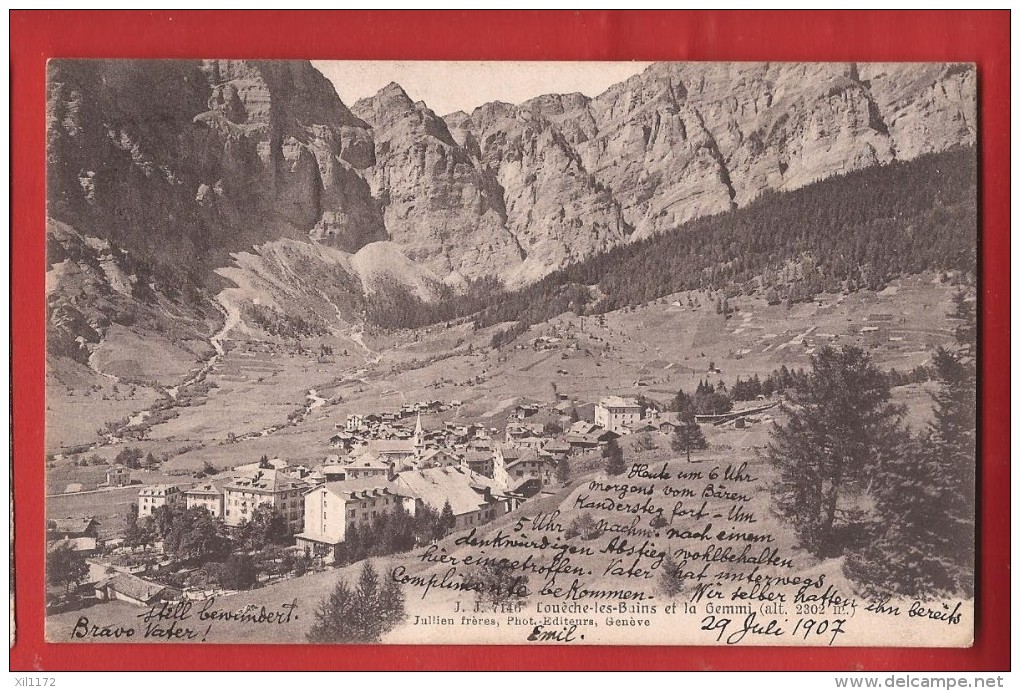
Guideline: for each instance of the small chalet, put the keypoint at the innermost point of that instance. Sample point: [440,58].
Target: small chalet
[65,528]
[118,476]
[523,411]
[555,448]
[367,466]
[523,464]
[479,462]
[135,590]
[438,458]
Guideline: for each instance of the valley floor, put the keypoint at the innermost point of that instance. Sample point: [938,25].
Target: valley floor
[285,399]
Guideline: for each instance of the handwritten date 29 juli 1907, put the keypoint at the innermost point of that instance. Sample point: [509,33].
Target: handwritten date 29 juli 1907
[813,631]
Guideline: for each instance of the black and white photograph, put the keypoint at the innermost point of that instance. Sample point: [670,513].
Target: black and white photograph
[558,353]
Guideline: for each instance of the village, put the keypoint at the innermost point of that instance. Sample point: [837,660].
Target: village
[405,460]
[280,505]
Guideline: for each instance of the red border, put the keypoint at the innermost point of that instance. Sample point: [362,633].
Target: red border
[971,36]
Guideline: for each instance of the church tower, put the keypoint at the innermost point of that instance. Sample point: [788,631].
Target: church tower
[418,438]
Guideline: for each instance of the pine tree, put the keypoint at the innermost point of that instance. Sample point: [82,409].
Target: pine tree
[583,526]
[681,402]
[670,581]
[238,572]
[265,526]
[841,427]
[563,471]
[65,567]
[132,533]
[925,498]
[688,435]
[447,521]
[362,614]
[614,458]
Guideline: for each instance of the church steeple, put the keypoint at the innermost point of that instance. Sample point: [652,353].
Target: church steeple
[419,436]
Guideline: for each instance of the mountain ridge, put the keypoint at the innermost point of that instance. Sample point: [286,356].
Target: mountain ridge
[182,167]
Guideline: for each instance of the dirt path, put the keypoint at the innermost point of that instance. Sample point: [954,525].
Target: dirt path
[232,317]
[95,368]
[316,400]
[358,336]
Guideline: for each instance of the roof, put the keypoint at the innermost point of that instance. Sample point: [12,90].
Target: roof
[671,418]
[391,446]
[582,427]
[133,586]
[437,452]
[509,452]
[464,489]
[524,456]
[366,486]
[266,481]
[556,446]
[207,488]
[71,525]
[158,490]
[367,463]
[619,402]
[477,457]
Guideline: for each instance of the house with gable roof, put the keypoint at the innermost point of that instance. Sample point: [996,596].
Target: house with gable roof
[474,498]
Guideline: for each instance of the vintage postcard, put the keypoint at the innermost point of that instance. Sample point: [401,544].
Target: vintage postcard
[511,353]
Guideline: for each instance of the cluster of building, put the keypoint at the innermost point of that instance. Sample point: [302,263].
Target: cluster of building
[321,506]
[481,473]
[381,463]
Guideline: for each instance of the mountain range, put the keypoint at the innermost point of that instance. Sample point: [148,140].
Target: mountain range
[183,191]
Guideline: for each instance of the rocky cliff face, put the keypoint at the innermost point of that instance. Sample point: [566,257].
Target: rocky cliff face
[161,172]
[555,208]
[733,131]
[177,169]
[683,140]
[187,161]
[444,207]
